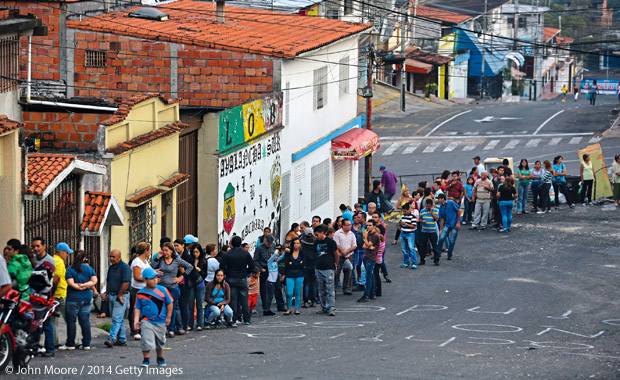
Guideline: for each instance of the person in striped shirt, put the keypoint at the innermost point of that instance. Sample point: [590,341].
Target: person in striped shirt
[408,224]
[429,218]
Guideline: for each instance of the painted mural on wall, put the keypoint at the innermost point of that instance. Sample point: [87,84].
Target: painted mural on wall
[249,191]
[242,125]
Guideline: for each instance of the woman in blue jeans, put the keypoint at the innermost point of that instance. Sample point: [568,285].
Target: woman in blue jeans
[294,275]
[80,278]
[197,292]
[506,195]
[524,178]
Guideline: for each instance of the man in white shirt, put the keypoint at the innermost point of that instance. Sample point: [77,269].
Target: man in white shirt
[347,243]
[479,165]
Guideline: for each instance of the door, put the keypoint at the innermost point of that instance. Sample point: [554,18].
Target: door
[187,218]
[342,184]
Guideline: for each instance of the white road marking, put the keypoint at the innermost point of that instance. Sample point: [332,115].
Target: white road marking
[522,132]
[595,139]
[451,146]
[447,121]
[431,148]
[492,144]
[498,136]
[467,148]
[411,148]
[547,121]
[555,141]
[472,133]
[575,140]
[451,133]
[532,143]
[512,144]
[391,149]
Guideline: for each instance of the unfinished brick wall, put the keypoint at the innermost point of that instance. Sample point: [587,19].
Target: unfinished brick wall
[45,49]
[59,130]
[206,77]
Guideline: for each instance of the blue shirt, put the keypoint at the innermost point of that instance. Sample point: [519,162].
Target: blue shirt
[217,295]
[348,214]
[79,278]
[449,213]
[428,222]
[559,168]
[117,274]
[469,189]
[153,304]
[272,263]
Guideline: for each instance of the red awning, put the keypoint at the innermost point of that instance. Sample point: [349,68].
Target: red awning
[354,144]
[413,66]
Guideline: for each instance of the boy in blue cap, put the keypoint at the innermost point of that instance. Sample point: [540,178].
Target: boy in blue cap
[152,314]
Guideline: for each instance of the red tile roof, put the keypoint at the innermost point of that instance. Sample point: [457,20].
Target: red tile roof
[247,30]
[125,105]
[144,196]
[563,41]
[43,169]
[428,57]
[439,14]
[174,181]
[95,206]
[146,138]
[549,33]
[7,125]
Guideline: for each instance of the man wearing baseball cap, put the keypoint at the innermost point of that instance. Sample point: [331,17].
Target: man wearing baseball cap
[60,292]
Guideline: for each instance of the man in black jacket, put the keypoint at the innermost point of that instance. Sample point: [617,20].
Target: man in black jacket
[261,255]
[237,263]
[376,196]
[310,255]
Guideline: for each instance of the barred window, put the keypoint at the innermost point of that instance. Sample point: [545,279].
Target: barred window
[348,7]
[343,80]
[319,192]
[140,225]
[320,87]
[96,58]
[9,63]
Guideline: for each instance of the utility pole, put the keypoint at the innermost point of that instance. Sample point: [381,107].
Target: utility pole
[403,74]
[484,48]
[516,23]
[368,159]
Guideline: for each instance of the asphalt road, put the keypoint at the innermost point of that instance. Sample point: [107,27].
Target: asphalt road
[447,138]
[541,303]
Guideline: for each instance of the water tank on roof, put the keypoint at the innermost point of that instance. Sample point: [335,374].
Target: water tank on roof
[149,14]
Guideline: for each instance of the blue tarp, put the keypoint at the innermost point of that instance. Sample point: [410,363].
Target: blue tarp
[493,57]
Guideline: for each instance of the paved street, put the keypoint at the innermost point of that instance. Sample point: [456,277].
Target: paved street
[538,303]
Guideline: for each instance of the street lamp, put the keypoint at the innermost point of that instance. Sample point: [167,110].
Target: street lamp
[365,92]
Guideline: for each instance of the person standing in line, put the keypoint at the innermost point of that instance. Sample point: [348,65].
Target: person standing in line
[143,250]
[592,91]
[506,195]
[454,187]
[408,224]
[377,198]
[547,178]
[346,213]
[60,294]
[428,219]
[537,174]
[358,228]
[372,241]
[347,243]
[479,165]
[388,183]
[327,252]
[253,289]
[587,179]
[615,179]
[383,232]
[559,182]
[405,197]
[377,270]
[197,290]
[238,264]
[152,315]
[524,175]
[167,267]
[262,253]
[80,279]
[450,215]
[212,262]
[294,275]
[468,201]
[43,260]
[310,255]
[292,233]
[482,196]
[117,284]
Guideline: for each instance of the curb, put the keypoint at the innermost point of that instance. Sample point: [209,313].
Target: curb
[614,129]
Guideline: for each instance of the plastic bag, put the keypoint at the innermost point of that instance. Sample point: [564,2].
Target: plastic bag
[562,198]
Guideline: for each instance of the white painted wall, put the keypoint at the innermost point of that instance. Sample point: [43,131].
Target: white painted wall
[307,125]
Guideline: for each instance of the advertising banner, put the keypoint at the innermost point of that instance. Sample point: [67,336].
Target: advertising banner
[605,86]
[602,186]
[249,191]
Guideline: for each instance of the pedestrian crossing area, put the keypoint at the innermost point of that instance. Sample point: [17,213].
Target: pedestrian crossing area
[468,145]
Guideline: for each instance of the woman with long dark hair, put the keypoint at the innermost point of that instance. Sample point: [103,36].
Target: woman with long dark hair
[537,174]
[167,266]
[559,182]
[547,178]
[143,250]
[587,179]
[294,275]
[524,178]
[197,292]
[292,233]
[506,195]
[217,295]
[80,278]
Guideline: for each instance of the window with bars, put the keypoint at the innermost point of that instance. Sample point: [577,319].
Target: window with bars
[319,192]
[9,63]
[96,58]
[320,87]
[140,224]
[348,7]
[343,80]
